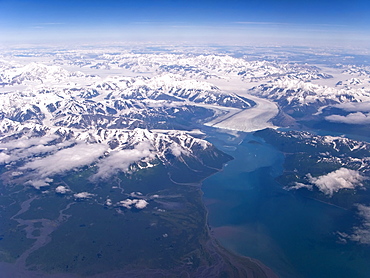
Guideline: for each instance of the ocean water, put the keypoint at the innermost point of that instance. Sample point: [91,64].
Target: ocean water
[250,214]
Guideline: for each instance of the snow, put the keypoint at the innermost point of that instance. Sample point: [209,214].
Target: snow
[252,119]
[132,82]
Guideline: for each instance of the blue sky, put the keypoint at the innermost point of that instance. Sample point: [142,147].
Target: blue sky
[233,20]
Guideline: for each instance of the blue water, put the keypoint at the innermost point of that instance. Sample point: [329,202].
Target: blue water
[250,214]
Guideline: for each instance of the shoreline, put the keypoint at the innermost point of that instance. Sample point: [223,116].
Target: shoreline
[217,259]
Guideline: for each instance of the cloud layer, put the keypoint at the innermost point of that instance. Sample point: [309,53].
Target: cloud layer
[357,118]
[27,148]
[67,159]
[28,142]
[361,115]
[354,106]
[48,160]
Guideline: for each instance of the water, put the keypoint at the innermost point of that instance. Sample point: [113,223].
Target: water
[251,214]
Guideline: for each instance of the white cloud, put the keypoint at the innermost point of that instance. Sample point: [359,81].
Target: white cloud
[127,203]
[354,106]
[121,160]
[37,149]
[4,158]
[361,233]
[39,183]
[336,180]
[83,195]
[42,149]
[136,194]
[299,185]
[357,118]
[138,203]
[67,159]
[28,142]
[259,23]
[17,152]
[62,189]
[177,150]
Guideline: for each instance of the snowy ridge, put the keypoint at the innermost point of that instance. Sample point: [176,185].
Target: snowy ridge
[67,98]
[203,66]
[37,73]
[294,93]
[36,153]
[340,144]
[174,88]
[329,164]
[60,121]
[116,102]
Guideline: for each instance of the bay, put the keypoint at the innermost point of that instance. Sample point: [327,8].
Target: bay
[250,214]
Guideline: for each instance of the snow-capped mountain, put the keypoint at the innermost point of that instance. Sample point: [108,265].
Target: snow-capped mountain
[334,143]
[36,152]
[194,66]
[113,102]
[37,73]
[329,164]
[296,95]
[103,123]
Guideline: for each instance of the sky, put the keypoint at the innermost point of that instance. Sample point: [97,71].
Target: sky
[213,21]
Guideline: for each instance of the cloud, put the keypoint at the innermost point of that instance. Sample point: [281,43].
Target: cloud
[16,174]
[62,189]
[336,180]
[260,23]
[141,204]
[46,24]
[127,203]
[299,185]
[360,233]
[39,183]
[136,194]
[287,24]
[36,150]
[67,159]
[26,148]
[357,118]
[122,159]
[83,195]
[28,142]
[44,149]
[177,150]
[354,106]
[138,203]
[4,158]
[361,115]
[51,23]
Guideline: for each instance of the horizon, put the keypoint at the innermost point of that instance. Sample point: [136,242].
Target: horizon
[259,23]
